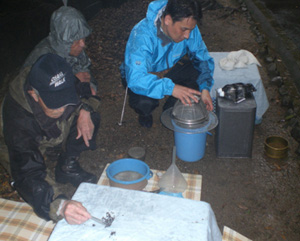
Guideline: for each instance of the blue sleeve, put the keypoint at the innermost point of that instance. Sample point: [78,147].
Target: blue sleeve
[138,64]
[201,59]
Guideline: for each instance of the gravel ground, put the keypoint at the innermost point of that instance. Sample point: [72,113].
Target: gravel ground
[258,196]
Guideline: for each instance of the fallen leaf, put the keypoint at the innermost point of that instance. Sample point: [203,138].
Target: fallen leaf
[278,168]
[120,156]
[243,207]
[269,228]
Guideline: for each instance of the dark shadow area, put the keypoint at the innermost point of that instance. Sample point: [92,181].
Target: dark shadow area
[24,23]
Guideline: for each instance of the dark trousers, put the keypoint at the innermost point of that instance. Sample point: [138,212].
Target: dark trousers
[183,73]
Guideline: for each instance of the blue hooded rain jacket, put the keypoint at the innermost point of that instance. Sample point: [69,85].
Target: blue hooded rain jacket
[145,54]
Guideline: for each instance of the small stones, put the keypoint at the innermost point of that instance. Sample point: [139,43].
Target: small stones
[295,133]
[287,101]
[269,59]
[272,69]
[283,91]
[277,81]
[298,150]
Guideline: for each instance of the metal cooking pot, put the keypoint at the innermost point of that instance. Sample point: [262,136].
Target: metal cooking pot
[192,118]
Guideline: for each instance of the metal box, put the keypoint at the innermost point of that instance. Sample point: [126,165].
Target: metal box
[234,134]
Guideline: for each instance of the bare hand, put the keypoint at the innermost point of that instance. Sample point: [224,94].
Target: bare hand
[205,96]
[85,126]
[185,93]
[74,212]
[85,77]
[93,91]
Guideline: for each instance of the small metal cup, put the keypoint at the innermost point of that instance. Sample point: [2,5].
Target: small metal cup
[276,147]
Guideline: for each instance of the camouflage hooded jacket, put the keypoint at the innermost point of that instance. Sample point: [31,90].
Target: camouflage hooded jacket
[66,26]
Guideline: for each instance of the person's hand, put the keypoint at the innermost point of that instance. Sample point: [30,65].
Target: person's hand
[205,96]
[85,77]
[85,126]
[185,93]
[93,91]
[74,212]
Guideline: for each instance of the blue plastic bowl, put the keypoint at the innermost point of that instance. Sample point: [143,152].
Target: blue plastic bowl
[129,164]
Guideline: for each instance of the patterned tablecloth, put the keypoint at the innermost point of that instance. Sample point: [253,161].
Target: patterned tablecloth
[193,190]
[18,222]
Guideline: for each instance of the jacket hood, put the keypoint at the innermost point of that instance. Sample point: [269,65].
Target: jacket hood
[67,25]
[155,10]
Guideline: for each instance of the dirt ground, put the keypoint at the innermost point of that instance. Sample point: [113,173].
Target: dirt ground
[258,197]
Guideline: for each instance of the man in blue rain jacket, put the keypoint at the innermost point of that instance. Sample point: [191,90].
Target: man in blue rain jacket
[166,56]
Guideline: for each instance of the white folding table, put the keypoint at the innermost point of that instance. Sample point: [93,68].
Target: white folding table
[250,74]
[139,216]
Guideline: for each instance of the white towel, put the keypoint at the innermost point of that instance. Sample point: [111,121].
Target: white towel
[238,59]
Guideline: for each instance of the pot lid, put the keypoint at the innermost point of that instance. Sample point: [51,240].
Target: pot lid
[190,116]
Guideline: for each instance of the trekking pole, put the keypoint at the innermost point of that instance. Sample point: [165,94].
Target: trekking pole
[123,109]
